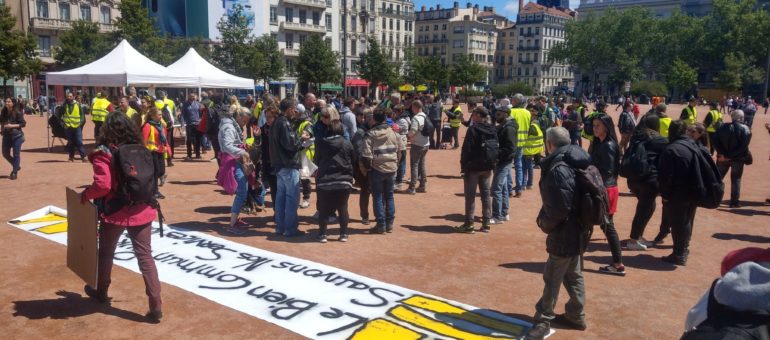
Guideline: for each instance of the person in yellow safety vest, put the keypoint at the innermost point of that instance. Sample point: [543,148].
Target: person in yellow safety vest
[533,146]
[712,122]
[169,116]
[73,117]
[588,121]
[155,140]
[665,121]
[126,109]
[302,124]
[689,113]
[523,118]
[99,110]
[455,115]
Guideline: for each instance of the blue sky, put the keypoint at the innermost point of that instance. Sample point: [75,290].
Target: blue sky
[508,8]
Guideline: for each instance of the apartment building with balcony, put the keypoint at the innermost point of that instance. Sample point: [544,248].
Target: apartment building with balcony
[506,61]
[538,29]
[450,32]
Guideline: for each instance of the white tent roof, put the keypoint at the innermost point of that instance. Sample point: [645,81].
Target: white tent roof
[123,66]
[206,75]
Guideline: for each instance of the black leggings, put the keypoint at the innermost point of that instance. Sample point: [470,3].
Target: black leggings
[613,240]
[645,206]
[330,201]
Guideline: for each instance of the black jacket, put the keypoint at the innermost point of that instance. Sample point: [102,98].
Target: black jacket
[654,144]
[732,141]
[284,144]
[507,134]
[605,157]
[472,155]
[558,215]
[334,156]
[675,170]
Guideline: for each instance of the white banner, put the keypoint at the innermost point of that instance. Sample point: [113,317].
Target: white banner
[309,298]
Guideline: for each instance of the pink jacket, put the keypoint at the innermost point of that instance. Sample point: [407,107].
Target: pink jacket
[105,185]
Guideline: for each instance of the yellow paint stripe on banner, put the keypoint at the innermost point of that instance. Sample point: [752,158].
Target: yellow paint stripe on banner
[46,218]
[406,314]
[53,228]
[384,329]
[442,307]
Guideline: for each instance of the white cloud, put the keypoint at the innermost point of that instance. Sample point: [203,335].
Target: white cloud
[574,4]
[511,9]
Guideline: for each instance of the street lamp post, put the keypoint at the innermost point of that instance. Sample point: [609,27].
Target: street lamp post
[344,46]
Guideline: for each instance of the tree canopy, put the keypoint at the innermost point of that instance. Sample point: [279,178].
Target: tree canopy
[81,45]
[17,50]
[374,66]
[466,71]
[317,62]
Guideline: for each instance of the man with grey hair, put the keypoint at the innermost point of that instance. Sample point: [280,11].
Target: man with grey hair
[567,239]
[731,142]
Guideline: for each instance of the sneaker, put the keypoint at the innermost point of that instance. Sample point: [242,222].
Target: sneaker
[321,238]
[735,204]
[365,221]
[304,204]
[378,229]
[507,218]
[485,228]
[187,159]
[12,176]
[612,270]
[389,229]
[411,191]
[563,320]
[465,228]
[343,238]
[538,331]
[635,245]
[677,260]
[644,241]
[495,221]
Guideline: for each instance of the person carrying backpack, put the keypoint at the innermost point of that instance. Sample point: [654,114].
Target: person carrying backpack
[640,163]
[676,166]
[109,190]
[478,158]
[419,133]
[605,155]
[507,136]
[567,236]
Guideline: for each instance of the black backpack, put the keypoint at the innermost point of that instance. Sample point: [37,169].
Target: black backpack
[490,148]
[427,127]
[723,323]
[635,163]
[591,196]
[707,182]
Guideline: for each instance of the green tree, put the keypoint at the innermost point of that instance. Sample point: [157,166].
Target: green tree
[138,28]
[317,63]
[374,66]
[235,48]
[17,50]
[507,90]
[177,47]
[429,70]
[681,76]
[738,72]
[81,45]
[466,71]
[267,62]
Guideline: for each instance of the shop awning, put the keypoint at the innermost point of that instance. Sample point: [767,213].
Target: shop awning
[356,82]
[331,87]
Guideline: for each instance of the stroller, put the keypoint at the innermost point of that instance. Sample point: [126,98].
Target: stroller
[446,135]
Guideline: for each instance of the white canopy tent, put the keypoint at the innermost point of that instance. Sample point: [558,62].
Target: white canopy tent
[123,66]
[205,75]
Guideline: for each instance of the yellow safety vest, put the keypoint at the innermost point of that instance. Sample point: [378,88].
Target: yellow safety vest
[71,118]
[99,109]
[310,152]
[716,118]
[589,118]
[455,122]
[171,105]
[131,112]
[692,115]
[665,122]
[522,118]
[534,144]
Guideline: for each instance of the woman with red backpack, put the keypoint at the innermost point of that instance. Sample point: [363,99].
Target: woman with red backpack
[118,130]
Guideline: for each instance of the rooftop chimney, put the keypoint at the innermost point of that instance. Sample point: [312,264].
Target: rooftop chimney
[456,5]
[468,5]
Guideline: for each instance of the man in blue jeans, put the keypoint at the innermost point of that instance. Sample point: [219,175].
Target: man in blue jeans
[380,155]
[284,157]
[507,131]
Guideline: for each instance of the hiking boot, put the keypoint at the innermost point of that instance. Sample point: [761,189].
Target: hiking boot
[321,238]
[304,204]
[343,238]
[673,259]
[563,320]
[98,295]
[365,221]
[154,315]
[635,245]
[377,229]
[465,228]
[538,331]
[485,228]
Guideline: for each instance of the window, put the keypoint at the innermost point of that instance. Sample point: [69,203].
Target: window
[302,39]
[289,14]
[458,43]
[289,41]
[44,44]
[443,27]
[391,23]
[459,29]
[537,30]
[398,25]
[105,15]
[521,32]
[353,23]
[302,16]
[384,21]
[328,22]
[371,5]
[316,18]
[42,8]
[85,12]
[64,11]
[329,3]
[353,47]
[289,66]
[535,56]
[273,14]
[435,27]
[519,71]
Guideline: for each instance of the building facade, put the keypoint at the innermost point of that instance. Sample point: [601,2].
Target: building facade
[506,61]
[554,3]
[538,29]
[450,32]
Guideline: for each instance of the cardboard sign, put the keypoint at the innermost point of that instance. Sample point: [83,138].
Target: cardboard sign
[82,237]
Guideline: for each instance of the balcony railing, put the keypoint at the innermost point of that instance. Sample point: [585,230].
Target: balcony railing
[527,35]
[308,3]
[526,62]
[296,26]
[392,13]
[529,48]
[290,52]
[59,24]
